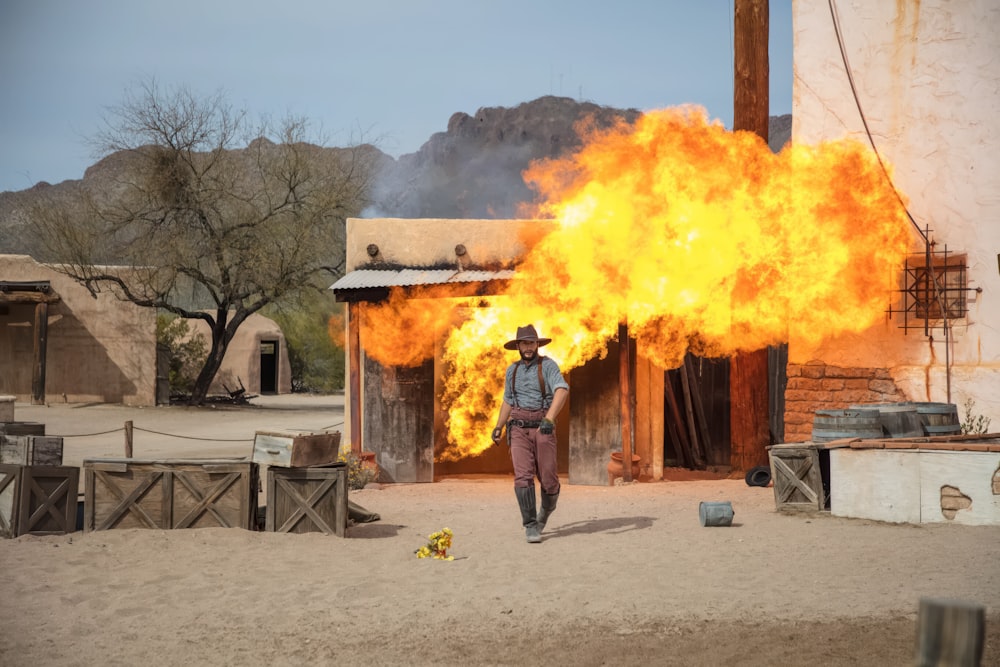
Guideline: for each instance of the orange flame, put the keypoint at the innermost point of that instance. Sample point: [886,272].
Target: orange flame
[697,237]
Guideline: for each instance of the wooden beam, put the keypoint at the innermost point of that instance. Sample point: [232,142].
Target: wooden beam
[750,67]
[950,633]
[748,378]
[696,448]
[28,297]
[40,347]
[625,400]
[354,373]
[699,407]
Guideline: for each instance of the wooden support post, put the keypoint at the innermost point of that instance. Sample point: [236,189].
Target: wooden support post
[41,344]
[354,373]
[748,377]
[950,633]
[699,407]
[128,439]
[625,400]
[689,413]
[677,425]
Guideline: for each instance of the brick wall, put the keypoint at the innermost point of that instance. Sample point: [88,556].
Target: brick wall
[818,386]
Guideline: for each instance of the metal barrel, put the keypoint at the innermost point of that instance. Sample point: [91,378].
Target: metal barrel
[715,513]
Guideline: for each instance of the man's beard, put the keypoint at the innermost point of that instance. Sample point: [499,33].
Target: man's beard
[527,355]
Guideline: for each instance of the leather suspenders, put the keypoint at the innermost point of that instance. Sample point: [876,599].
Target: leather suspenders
[541,382]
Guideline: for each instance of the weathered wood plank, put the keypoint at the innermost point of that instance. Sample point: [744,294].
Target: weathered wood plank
[170,494]
[10,487]
[302,500]
[47,504]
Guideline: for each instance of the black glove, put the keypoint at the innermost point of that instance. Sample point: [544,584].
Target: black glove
[497,434]
[546,427]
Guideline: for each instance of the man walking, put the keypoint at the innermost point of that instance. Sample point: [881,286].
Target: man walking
[534,393]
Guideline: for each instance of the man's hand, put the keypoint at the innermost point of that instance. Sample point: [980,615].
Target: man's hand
[497,434]
[546,427]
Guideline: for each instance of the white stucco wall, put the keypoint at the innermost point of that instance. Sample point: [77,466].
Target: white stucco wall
[927,74]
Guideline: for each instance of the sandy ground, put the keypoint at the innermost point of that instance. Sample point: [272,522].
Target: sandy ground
[625,574]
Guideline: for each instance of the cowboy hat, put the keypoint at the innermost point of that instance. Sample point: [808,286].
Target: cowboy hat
[526,333]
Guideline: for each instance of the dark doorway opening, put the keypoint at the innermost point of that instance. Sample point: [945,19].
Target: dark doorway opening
[268,366]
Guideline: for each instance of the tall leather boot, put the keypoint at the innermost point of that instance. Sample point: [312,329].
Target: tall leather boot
[548,506]
[526,502]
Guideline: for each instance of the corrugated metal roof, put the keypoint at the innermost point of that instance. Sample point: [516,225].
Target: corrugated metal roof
[370,278]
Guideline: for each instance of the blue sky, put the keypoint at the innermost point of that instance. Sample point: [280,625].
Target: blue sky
[390,72]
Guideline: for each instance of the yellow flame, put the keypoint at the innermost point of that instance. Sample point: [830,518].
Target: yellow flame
[697,237]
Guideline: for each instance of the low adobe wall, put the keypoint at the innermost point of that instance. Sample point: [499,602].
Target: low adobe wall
[819,386]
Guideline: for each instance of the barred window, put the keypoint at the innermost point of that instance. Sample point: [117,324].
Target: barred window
[936,289]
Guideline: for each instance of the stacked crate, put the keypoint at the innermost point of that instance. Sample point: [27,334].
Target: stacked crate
[306,483]
[38,495]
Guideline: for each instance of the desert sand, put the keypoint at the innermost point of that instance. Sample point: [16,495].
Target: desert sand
[625,574]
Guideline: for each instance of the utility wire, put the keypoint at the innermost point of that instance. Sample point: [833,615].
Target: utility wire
[864,120]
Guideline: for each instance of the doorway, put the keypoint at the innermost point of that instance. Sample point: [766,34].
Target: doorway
[268,366]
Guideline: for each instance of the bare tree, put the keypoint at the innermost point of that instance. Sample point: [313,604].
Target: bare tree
[214,217]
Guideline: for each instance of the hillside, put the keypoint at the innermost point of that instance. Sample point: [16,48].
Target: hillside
[472,170]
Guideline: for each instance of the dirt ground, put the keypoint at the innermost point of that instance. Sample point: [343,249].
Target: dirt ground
[625,574]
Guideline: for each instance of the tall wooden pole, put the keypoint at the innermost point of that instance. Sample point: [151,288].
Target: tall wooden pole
[354,373]
[748,376]
[41,345]
[625,400]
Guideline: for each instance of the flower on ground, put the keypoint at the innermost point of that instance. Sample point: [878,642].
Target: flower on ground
[437,546]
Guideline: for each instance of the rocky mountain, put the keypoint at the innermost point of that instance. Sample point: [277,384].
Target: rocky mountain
[472,170]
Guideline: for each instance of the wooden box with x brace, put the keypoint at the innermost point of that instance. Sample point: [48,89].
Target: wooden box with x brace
[169,494]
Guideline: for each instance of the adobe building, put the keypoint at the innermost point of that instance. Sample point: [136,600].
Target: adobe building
[397,411]
[256,359]
[59,343]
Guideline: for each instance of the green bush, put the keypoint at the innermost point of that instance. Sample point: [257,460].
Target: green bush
[317,362]
[974,424]
[359,472]
[186,353]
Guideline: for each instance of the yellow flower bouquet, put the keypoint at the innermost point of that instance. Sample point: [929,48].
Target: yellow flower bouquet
[437,546]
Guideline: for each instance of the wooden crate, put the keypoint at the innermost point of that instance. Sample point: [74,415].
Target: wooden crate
[31,450]
[169,494]
[47,504]
[307,500]
[10,489]
[798,476]
[296,449]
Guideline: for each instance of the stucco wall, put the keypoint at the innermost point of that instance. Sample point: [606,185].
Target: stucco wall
[98,350]
[432,242]
[929,86]
[242,360]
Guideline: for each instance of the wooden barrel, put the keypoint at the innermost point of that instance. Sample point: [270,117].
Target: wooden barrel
[899,420]
[939,418]
[850,423]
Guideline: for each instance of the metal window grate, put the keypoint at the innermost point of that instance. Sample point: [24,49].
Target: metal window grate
[935,289]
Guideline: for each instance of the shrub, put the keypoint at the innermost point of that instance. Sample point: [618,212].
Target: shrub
[185,352]
[359,472]
[972,423]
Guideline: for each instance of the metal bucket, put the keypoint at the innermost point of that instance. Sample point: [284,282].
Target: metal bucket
[831,425]
[715,513]
[899,420]
[939,418]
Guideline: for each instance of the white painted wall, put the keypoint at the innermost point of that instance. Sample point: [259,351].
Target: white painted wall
[927,74]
